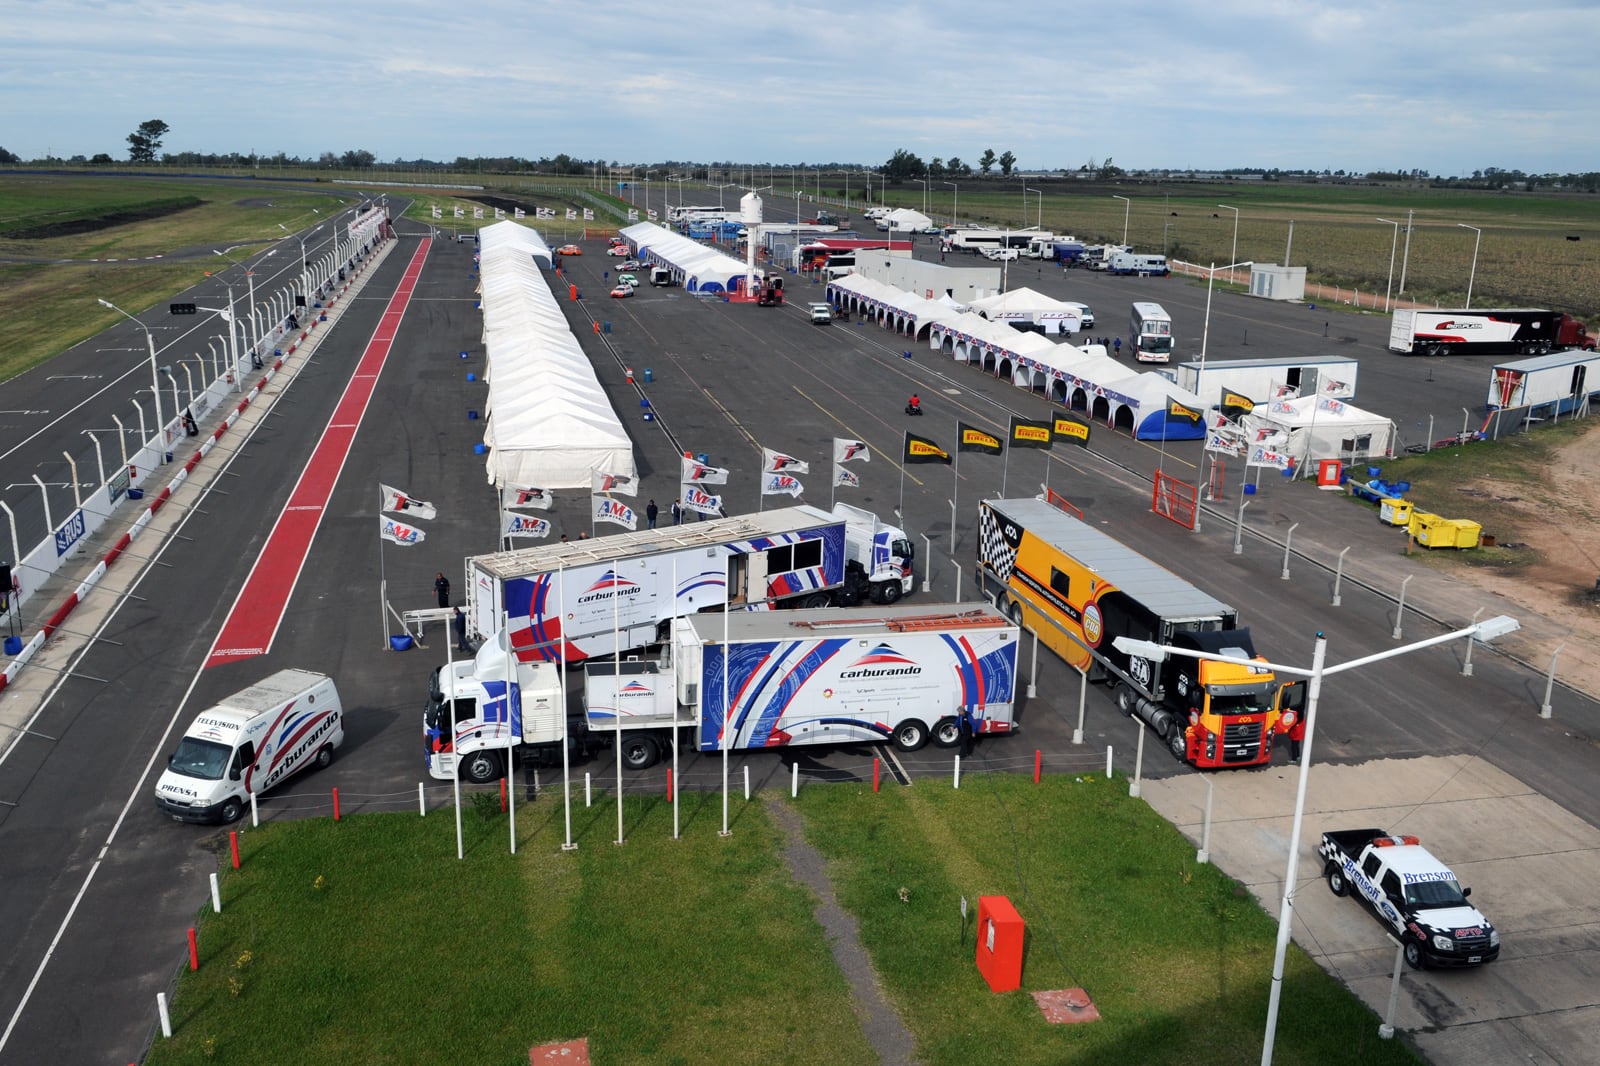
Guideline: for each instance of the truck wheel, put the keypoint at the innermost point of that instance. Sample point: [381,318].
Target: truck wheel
[889,592]
[232,810]
[1414,956]
[480,767]
[820,599]
[1013,611]
[1336,883]
[324,756]
[1176,742]
[1125,699]
[639,752]
[946,733]
[910,735]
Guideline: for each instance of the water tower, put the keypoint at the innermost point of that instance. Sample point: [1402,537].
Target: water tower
[750,218]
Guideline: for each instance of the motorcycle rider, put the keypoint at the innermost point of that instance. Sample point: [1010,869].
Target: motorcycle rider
[914,405]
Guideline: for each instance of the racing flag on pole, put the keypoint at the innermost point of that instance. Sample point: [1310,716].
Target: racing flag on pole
[706,475]
[781,485]
[615,511]
[843,478]
[700,501]
[922,450]
[1235,404]
[395,500]
[459,213]
[1069,429]
[777,463]
[1178,410]
[973,439]
[572,215]
[619,484]
[519,213]
[538,499]
[436,212]
[398,532]
[521,525]
[846,450]
[1027,433]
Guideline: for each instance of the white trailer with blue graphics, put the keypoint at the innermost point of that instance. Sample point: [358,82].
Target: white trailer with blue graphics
[907,673]
[605,595]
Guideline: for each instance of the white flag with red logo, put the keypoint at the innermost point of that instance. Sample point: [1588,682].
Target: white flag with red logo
[538,499]
[706,475]
[846,450]
[613,484]
[777,463]
[395,500]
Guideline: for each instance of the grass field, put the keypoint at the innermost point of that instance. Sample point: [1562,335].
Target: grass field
[366,941]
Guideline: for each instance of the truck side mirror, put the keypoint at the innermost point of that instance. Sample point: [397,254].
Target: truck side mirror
[172,759]
[235,774]
[1465,892]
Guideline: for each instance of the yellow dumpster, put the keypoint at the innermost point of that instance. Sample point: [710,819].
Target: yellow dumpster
[1394,512]
[1467,533]
[1428,528]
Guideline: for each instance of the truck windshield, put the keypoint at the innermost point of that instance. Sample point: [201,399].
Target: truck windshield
[1241,703]
[1435,894]
[903,549]
[205,759]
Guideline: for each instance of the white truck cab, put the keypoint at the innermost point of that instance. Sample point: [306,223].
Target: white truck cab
[821,314]
[249,742]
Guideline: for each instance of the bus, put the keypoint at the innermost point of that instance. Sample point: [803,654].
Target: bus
[1150,332]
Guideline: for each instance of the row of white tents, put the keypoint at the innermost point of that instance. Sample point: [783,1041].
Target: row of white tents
[548,422]
[697,268]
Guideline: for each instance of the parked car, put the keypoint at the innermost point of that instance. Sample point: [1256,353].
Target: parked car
[630,264]
[618,250]
[569,249]
[628,279]
[622,291]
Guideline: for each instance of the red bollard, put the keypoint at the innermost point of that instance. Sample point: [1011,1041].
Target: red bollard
[669,784]
[597,327]
[233,842]
[502,795]
[876,764]
[1038,759]
[336,805]
[194,951]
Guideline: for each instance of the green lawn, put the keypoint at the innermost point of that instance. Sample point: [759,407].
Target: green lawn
[367,941]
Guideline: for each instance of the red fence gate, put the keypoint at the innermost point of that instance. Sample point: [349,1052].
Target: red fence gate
[1175,499]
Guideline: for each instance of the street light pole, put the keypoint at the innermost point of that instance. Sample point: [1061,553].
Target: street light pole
[155,377]
[1486,630]
[1125,212]
[955,201]
[924,183]
[1205,334]
[1235,211]
[1393,243]
[1405,256]
[1474,275]
[1040,194]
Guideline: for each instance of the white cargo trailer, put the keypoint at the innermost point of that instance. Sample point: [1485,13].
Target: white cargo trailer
[1259,379]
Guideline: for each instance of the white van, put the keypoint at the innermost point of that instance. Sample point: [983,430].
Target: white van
[249,742]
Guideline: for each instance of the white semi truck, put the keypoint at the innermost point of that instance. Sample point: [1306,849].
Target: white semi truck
[907,674]
[606,595]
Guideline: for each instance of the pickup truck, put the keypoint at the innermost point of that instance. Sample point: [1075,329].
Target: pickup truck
[1413,895]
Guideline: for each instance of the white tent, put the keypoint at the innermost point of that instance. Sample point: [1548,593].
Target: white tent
[1321,427]
[905,220]
[548,423]
[699,268]
[1026,305]
[904,312]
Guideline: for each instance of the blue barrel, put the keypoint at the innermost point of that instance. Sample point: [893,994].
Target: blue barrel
[13,645]
[479,448]
[605,327]
[471,376]
[702,460]
[472,416]
[463,355]
[1249,490]
[401,641]
[648,376]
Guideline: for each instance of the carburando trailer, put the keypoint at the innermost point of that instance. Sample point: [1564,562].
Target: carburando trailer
[1523,331]
[619,593]
[908,673]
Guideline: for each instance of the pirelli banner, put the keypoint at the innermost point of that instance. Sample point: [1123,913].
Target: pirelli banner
[973,439]
[1070,430]
[922,450]
[1027,433]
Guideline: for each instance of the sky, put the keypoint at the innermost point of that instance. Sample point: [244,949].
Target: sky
[1448,88]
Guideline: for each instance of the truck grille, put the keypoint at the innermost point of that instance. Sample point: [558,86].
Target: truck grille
[1241,742]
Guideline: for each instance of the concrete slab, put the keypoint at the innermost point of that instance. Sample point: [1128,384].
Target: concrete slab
[1531,863]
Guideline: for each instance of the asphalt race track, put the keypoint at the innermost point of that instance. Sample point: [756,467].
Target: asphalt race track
[97,929]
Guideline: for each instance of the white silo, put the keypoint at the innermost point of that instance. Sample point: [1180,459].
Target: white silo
[750,217]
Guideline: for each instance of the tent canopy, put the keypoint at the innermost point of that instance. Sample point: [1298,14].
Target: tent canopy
[1321,427]
[548,423]
[702,269]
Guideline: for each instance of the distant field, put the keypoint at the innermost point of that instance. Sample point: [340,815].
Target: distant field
[1526,258]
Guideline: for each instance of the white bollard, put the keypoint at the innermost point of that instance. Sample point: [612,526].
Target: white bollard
[794,780]
[588,798]
[747,781]
[216,895]
[958,772]
[1203,856]
[255,812]
[166,1019]
[1108,762]
[1138,764]
[422,803]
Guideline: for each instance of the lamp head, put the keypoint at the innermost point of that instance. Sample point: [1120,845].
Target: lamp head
[105,303]
[1498,626]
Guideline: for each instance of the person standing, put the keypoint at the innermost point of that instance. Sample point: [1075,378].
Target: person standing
[461,630]
[677,511]
[650,512]
[1117,346]
[441,588]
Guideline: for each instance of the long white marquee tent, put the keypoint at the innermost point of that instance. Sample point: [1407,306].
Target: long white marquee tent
[548,422]
[694,266]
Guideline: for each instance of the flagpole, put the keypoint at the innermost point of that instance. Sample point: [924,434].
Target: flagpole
[383,590]
[677,785]
[512,735]
[905,449]
[955,488]
[561,672]
[448,687]
[616,659]
[1005,469]
[727,738]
